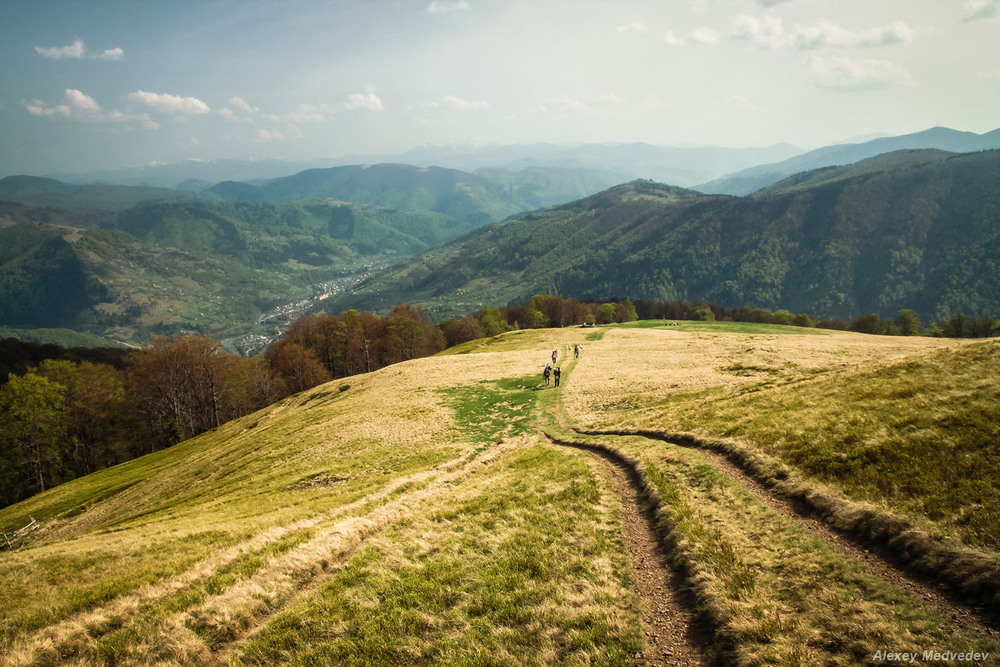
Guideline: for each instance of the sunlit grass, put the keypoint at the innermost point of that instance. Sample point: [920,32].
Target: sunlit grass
[413,516]
[520,565]
[921,435]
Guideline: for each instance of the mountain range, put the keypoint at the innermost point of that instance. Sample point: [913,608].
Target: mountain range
[906,229]
[710,169]
[760,176]
[130,262]
[909,229]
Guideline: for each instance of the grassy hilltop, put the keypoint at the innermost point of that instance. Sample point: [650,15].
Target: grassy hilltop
[426,514]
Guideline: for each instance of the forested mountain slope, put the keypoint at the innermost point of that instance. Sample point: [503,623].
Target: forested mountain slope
[939,138]
[911,229]
[163,268]
[474,198]
[129,262]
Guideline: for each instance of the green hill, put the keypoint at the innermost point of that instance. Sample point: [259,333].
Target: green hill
[213,267]
[912,229]
[486,196]
[451,510]
[47,192]
[760,176]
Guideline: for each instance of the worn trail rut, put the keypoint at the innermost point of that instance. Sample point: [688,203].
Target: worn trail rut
[871,559]
[674,635]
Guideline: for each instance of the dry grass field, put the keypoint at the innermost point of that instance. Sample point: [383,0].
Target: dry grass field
[428,514]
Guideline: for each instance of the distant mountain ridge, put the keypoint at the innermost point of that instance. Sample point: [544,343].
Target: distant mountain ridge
[474,198]
[911,229]
[39,191]
[710,169]
[754,178]
[678,165]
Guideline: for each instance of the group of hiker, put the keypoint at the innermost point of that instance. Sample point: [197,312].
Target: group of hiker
[554,372]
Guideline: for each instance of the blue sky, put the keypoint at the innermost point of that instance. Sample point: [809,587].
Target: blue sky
[98,84]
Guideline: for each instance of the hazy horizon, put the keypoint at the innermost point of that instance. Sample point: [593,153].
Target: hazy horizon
[107,85]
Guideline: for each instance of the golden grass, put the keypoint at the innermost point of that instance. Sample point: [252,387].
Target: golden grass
[411,516]
[222,528]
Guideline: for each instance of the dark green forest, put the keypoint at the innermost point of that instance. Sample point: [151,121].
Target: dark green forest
[915,229]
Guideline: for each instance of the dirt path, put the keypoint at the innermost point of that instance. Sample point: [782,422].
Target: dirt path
[872,560]
[674,636]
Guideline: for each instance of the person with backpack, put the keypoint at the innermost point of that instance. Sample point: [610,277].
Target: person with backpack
[546,373]
[556,373]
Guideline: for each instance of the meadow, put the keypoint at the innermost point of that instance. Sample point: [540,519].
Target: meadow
[451,510]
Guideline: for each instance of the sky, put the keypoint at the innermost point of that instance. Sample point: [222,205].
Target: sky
[102,84]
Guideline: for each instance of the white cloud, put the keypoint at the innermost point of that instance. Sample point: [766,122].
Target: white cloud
[635,26]
[169,103]
[38,108]
[841,73]
[82,101]
[830,35]
[980,10]
[310,113]
[442,7]
[673,40]
[72,51]
[363,102]
[705,35]
[79,104]
[116,53]
[768,32]
[83,107]
[243,105]
[78,50]
[116,116]
[455,102]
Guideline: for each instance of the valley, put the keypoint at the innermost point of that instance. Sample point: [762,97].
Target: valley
[453,510]
[908,229]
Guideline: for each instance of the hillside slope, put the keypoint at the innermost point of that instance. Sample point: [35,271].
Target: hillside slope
[914,229]
[478,198]
[161,268]
[416,515]
[760,176]
[48,192]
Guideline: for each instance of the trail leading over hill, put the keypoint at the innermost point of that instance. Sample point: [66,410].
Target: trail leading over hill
[881,582]
[416,515]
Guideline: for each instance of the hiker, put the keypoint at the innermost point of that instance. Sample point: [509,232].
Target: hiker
[556,373]
[576,351]
[555,353]
[545,374]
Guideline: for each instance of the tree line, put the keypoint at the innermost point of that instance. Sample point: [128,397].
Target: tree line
[67,414]
[62,418]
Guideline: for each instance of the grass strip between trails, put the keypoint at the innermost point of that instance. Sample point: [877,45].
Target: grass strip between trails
[774,593]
